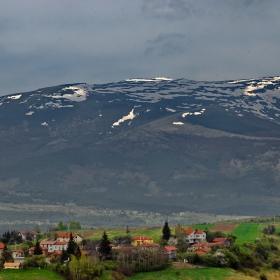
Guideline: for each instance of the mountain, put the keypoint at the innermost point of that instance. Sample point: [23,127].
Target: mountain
[158,145]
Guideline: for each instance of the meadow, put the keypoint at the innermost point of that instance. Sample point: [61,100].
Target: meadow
[247,232]
[31,274]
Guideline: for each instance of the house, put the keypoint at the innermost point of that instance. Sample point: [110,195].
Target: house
[19,253]
[9,265]
[195,235]
[27,235]
[171,251]
[44,250]
[202,251]
[64,237]
[1,248]
[222,241]
[53,246]
[149,246]
[138,240]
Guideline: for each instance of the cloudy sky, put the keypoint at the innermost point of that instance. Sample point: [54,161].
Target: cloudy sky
[50,42]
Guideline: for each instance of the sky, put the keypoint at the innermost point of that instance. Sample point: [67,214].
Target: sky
[49,42]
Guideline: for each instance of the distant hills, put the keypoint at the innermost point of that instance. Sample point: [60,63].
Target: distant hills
[156,144]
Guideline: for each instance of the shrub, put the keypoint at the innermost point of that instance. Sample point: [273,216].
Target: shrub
[263,277]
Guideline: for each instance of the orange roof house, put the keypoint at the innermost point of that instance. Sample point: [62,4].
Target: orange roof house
[138,240]
[9,265]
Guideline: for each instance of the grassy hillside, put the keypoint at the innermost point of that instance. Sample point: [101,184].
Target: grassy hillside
[38,274]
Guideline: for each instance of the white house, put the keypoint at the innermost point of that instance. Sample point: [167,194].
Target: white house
[27,235]
[195,235]
[53,246]
[64,237]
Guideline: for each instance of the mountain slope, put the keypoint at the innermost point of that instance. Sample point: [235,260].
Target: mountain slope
[145,144]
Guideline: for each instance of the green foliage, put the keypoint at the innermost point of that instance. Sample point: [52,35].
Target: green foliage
[166,232]
[104,246]
[71,246]
[6,256]
[74,225]
[139,260]
[61,226]
[85,268]
[29,274]
[270,229]
[35,261]
[37,249]
[210,235]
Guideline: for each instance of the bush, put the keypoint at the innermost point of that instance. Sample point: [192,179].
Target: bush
[275,264]
[263,277]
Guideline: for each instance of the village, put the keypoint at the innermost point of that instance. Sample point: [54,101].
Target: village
[56,246]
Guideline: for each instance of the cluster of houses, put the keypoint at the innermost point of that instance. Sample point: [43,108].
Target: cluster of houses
[197,239]
[194,237]
[49,248]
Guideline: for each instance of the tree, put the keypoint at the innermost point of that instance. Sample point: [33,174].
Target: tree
[104,247]
[71,246]
[38,249]
[74,225]
[61,226]
[6,256]
[166,232]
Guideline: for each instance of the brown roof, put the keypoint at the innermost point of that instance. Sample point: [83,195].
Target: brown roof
[47,242]
[2,246]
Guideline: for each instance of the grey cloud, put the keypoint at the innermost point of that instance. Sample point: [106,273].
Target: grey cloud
[172,9]
[167,44]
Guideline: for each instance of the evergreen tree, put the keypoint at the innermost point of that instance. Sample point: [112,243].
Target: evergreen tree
[64,256]
[104,247]
[71,246]
[166,232]
[37,249]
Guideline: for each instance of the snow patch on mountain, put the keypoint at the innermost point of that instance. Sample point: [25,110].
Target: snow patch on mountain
[30,113]
[15,96]
[130,116]
[178,123]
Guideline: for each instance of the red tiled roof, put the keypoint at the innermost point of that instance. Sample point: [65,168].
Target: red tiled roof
[47,243]
[19,251]
[199,231]
[65,235]
[219,239]
[60,243]
[202,251]
[2,246]
[142,238]
[170,248]
[189,231]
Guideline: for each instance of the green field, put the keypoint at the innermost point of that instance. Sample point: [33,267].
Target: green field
[209,273]
[155,233]
[247,233]
[34,274]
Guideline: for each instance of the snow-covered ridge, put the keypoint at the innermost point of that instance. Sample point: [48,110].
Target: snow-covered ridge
[156,79]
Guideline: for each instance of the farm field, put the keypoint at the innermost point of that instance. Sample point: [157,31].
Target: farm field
[224,227]
[247,233]
[34,274]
